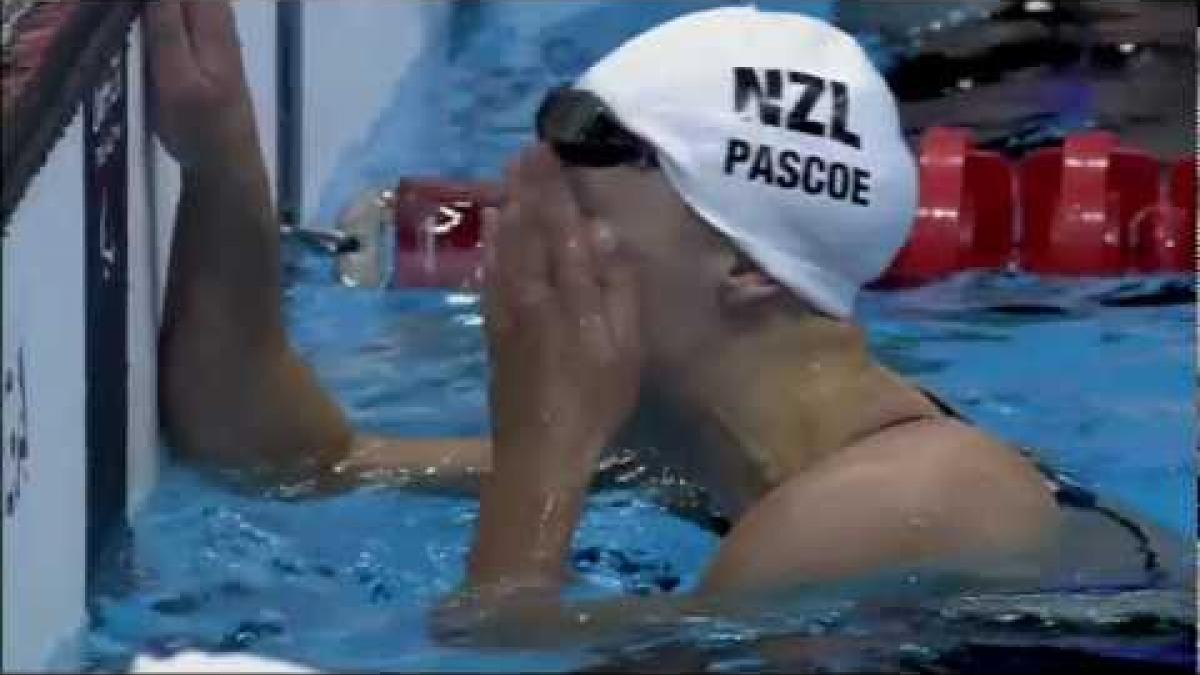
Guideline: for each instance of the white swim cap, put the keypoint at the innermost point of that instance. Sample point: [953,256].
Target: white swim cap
[776,129]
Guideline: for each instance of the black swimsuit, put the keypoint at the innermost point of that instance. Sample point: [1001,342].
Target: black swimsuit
[1071,495]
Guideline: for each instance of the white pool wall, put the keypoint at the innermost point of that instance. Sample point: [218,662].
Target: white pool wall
[43,539]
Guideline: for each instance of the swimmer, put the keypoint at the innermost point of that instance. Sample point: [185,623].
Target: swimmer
[675,262]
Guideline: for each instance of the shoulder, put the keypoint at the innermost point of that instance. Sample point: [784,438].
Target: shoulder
[914,494]
[967,481]
[941,461]
[994,496]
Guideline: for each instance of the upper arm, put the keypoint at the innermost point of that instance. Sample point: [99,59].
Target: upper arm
[260,410]
[912,499]
[271,416]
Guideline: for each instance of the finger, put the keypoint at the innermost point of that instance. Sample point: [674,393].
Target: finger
[170,47]
[544,177]
[544,173]
[518,283]
[573,265]
[490,234]
[499,258]
[619,280]
[493,307]
[213,32]
[523,254]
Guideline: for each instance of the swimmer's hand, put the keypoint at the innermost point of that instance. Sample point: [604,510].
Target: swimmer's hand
[561,321]
[561,324]
[200,101]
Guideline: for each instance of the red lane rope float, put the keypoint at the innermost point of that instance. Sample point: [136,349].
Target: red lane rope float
[53,52]
[964,215]
[1165,235]
[1089,208]
[1080,202]
[439,232]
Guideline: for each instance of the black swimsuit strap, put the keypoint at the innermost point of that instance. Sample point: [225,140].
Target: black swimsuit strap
[1068,494]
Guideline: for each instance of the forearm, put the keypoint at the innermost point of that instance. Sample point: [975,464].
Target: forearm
[225,273]
[526,523]
[517,569]
[233,391]
[528,514]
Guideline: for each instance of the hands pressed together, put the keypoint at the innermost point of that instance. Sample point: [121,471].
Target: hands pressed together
[561,308]
[562,325]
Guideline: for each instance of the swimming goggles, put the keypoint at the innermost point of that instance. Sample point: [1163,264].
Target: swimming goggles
[584,132]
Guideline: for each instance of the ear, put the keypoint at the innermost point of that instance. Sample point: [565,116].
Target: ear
[747,286]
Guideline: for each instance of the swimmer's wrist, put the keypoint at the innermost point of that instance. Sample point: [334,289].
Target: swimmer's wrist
[553,459]
[530,505]
[553,473]
[526,523]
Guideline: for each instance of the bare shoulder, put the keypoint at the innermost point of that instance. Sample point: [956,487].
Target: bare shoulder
[943,452]
[929,491]
[986,491]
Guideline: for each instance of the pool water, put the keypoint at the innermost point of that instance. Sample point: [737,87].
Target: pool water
[1098,376]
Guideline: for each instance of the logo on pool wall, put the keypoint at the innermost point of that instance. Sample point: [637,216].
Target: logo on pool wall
[16,433]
